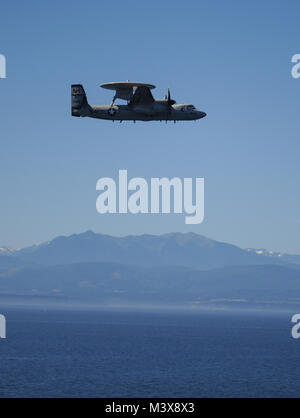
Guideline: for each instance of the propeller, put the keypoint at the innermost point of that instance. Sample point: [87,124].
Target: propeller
[170,101]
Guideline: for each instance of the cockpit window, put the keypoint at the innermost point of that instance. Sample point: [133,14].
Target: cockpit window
[188,108]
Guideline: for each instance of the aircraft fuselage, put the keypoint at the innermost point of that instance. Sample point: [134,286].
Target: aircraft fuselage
[140,105]
[156,112]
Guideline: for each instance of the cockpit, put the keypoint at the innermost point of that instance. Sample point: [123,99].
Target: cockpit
[188,108]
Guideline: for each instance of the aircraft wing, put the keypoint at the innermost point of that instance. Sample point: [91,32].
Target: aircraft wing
[142,96]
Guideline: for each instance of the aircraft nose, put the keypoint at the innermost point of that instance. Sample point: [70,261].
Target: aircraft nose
[201,115]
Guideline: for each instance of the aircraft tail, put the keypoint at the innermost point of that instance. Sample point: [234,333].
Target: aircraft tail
[79,100]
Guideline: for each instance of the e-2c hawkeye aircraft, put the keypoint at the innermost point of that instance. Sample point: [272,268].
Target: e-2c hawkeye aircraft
[140,105]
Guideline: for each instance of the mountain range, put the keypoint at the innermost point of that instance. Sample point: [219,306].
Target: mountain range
[175,249]
[182,269]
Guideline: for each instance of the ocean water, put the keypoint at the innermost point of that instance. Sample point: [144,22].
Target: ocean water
[94,353]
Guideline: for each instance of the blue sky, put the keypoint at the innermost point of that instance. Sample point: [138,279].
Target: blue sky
[231,59]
